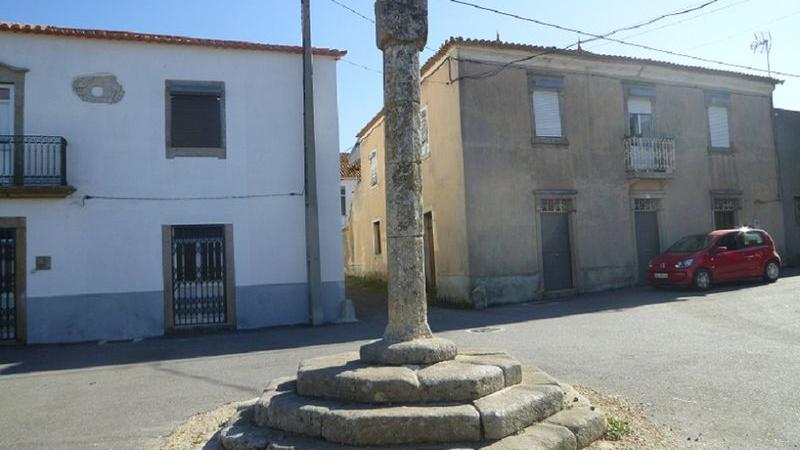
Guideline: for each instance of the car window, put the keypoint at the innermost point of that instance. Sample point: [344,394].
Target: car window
[689,244]
[734,241]
[753,238]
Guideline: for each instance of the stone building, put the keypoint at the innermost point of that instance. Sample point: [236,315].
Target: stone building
[568,171]
[154,184]
[787,131]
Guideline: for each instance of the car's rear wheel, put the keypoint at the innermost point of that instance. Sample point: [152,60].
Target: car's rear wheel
[702,280]
[772,270]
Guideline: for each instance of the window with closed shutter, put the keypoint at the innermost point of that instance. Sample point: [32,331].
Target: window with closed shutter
[195,118]
[718,126]
[196,121]
[425,148]
[547,113]
[373,168]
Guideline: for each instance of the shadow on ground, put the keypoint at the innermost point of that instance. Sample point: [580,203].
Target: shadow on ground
[371,310]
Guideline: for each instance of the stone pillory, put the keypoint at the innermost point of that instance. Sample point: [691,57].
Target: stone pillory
[411,388]
[401,32]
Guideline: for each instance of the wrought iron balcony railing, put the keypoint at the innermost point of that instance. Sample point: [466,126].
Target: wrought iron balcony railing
[650,157]
[33,161]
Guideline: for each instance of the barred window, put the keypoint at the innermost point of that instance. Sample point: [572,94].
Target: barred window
[797,210]
[725,213]
[646,204]
[726,204]
[556,205]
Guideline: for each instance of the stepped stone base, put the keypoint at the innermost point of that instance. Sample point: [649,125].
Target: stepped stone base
[477,400]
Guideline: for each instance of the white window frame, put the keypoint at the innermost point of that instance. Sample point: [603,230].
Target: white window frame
[551,84]
[373,168]
[11,107]
[719,100]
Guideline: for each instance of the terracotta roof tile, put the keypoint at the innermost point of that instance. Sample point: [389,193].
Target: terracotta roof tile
[347,170]
[49,30]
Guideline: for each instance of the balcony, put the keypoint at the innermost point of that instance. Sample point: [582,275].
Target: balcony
[649,157]
[33,166]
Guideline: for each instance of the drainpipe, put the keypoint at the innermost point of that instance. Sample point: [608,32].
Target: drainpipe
[313,269]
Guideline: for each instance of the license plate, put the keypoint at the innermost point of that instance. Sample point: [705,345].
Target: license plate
[661,275]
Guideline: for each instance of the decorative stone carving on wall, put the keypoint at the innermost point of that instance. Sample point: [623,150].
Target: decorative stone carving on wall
[98,88]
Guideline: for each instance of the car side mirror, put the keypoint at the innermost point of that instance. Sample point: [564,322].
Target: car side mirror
[720,249]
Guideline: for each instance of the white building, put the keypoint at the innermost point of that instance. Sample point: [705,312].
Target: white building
[167,191]
[348,180]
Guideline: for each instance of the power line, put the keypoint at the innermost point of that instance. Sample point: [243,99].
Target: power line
[361,66]
[656,19]
[619,41]
[677,22]
[368,19]
[706,44]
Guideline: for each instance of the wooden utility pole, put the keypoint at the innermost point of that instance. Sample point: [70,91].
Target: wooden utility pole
[316,316]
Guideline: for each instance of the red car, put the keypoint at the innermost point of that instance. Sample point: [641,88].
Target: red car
[699,260]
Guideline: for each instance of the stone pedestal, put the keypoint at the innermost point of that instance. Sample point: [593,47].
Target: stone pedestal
[476,400]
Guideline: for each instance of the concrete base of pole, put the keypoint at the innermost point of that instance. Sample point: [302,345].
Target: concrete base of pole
[418,351]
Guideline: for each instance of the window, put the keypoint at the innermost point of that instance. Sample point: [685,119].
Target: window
[753,239]
[725,212]
[646,204]
[640,116]
[376,236]
[373,168]
[718,121]
[195,118]
[797,210]
[343,199]
[556,205]
[733,241]
[546,99]
[425,149]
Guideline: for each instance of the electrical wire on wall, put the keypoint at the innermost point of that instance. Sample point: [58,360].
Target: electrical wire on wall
[84,198]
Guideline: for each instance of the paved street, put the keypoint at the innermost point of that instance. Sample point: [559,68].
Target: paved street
[720,368]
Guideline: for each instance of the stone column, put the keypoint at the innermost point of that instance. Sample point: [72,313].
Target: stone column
[402,30]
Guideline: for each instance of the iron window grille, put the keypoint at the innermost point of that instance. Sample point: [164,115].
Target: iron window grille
[8,289]
[556,205]
[726,204]
[646,204]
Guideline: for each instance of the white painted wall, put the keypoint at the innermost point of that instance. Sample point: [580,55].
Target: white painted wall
[349,184]
[112,246]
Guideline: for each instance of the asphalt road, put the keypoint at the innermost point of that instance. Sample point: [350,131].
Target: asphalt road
[722,368]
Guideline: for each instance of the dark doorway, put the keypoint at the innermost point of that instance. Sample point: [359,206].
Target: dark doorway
[430,258]
[8,284]
[199,294]
[647,241]
[556,252]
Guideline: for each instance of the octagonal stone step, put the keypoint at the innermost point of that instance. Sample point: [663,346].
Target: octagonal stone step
[517,407]
[346,378]
[367,425]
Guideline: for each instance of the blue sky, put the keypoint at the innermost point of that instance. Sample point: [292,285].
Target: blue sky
[721,31]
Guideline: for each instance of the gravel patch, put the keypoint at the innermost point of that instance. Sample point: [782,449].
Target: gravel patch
[644,434]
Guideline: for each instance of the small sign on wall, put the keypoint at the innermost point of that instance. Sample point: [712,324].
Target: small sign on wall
[42,263]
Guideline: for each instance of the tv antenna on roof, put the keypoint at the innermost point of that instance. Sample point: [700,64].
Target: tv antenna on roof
[762,43]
